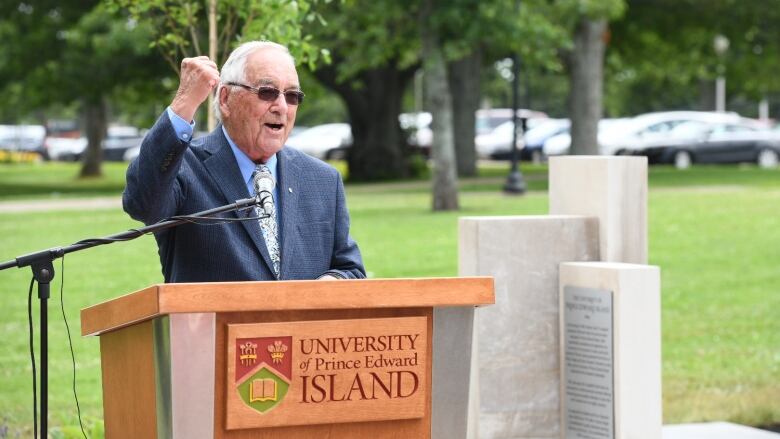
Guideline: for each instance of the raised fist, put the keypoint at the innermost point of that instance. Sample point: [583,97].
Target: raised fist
[198,77]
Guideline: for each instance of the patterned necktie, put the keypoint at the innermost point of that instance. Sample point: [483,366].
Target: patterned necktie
[268,224]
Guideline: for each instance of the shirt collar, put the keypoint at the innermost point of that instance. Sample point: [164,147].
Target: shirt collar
[246,165]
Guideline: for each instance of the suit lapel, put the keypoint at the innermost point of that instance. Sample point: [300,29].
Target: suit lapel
[222,166]
[288,193]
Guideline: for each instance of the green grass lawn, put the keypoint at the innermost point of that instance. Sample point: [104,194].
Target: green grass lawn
[714,231]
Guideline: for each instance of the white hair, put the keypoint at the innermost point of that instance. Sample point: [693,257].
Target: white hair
[234,69]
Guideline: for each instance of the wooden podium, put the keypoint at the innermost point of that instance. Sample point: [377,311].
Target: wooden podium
[290,359]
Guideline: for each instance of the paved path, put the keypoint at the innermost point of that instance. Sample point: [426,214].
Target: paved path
[715,430]
[61,204]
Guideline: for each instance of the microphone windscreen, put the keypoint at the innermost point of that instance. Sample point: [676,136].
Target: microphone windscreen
[263,181]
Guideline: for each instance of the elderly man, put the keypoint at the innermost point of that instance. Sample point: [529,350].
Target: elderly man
[307,234]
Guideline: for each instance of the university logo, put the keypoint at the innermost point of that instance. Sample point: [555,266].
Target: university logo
[263,371]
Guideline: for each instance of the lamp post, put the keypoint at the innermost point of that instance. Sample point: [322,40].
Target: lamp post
[721,44]
[514,181]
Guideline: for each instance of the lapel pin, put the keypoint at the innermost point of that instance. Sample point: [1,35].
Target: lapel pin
[289,189]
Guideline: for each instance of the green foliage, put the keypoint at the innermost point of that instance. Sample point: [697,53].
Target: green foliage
[181,28]
[71,51]
[574,10]
[109,50]
[664,52]
[367,34]
[321,105]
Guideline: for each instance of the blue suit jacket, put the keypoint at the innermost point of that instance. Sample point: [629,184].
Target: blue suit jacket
[171,177]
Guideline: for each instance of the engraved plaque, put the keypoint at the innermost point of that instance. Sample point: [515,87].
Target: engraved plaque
[588,364]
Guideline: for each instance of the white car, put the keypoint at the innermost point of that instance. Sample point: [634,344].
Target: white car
[65,148]
[496,144]
[418,125]
[23,138]
[326,142]
[561,143]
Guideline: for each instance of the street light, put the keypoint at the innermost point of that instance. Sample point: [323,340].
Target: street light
[721,44]
[514,181]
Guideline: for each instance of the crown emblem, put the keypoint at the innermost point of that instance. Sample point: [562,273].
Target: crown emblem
[277,351]
[248,353]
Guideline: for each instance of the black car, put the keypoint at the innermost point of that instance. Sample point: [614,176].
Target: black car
[700,142]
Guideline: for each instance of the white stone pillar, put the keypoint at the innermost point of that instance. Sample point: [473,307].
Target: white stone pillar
[613,189]
[635,311]
[519,377]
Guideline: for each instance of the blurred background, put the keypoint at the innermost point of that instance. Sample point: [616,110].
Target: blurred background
[421,105]
[82,80]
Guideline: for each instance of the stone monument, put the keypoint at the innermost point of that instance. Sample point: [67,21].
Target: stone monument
[598,214]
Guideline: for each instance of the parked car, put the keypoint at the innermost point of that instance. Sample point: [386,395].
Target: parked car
[496,143]
[535,137]
[488,120]
[118,140]
[297,129]
[625,135]
[649,128]
[417,127]
[702,142]
[326,142]
[26,138]
[65,148]
[560,144]
[133,152]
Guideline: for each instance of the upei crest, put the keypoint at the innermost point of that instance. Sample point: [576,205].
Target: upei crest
[263,371]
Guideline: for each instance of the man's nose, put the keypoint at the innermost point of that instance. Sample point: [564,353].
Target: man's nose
[280,103]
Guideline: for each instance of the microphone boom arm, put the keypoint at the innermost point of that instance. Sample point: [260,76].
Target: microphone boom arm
[43,271]
[58,252]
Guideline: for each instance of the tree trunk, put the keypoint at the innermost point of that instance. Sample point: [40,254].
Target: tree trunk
[96,122]
[464,80]
[438,101]
[586,78]
[378,147]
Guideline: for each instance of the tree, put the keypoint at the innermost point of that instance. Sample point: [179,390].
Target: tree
[585,65]
[439,100]
[681,33]
[180,28]
[75,51]
[463,76]
[479,32]
[374,50]
[187,29]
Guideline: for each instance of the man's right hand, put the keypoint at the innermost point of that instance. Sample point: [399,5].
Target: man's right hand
[198,77]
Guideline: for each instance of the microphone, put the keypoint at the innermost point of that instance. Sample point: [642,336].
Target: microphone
[264,183]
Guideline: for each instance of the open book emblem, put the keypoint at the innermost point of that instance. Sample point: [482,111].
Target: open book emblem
[263,371]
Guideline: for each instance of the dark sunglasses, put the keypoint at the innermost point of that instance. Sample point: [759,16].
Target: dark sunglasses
[270,94]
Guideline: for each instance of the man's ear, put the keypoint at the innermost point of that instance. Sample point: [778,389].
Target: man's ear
[224,94]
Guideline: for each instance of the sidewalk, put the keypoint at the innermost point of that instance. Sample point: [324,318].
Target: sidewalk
[715,430]
[61,204]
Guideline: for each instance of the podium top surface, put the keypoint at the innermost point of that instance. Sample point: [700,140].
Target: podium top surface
[162,299]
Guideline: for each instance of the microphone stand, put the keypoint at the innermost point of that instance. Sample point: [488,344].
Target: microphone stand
[43,271]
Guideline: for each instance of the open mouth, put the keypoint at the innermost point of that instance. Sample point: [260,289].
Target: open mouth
[275,126]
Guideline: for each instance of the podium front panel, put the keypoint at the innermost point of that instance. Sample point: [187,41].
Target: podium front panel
[347,424]
[326,371]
